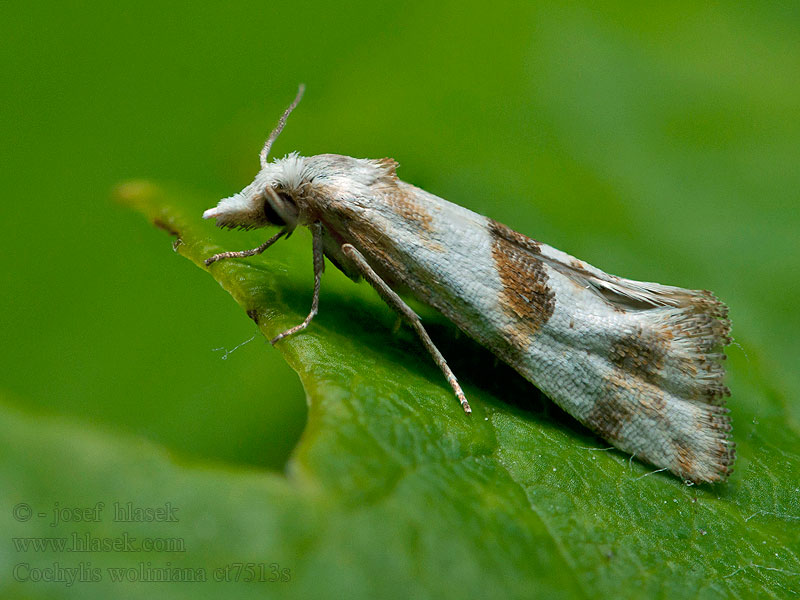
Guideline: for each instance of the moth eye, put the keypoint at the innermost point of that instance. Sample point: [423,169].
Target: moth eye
[271,214]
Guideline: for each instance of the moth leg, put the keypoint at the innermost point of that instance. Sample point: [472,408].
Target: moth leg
[246,253]
[319,267]
[405,311]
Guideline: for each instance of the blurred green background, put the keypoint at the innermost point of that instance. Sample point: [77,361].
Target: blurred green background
[658,144]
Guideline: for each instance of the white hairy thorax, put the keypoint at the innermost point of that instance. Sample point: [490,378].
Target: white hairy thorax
[639,363]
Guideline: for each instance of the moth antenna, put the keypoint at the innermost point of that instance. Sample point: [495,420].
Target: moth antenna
[281,123]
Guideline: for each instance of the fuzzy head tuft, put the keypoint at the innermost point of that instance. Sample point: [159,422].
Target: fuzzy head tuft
[270,200]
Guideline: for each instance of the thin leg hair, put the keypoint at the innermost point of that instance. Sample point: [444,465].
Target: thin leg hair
[405,311]
[319,267]
[246,253]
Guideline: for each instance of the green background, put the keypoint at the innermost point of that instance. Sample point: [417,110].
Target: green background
[656,144]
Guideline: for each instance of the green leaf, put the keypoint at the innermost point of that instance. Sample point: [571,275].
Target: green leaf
[392,490]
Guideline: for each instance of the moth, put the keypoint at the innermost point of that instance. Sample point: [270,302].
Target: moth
[639,363]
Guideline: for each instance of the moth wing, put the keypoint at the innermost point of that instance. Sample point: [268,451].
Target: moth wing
[658,391]
[629,294]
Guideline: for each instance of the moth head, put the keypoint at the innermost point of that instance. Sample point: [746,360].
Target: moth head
[269,200]
[272,197]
